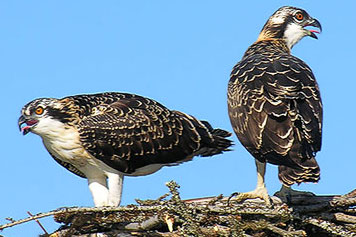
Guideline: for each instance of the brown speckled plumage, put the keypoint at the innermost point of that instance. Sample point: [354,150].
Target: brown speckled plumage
[128,131]
[275,107]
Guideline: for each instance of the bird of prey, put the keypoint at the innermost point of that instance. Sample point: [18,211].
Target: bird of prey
[274,103]
[103,137]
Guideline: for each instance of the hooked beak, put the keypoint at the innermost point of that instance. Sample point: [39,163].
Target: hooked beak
[315,23]
[29,123]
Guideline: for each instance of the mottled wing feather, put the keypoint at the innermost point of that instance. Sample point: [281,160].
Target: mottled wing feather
[129,132]
[272,103]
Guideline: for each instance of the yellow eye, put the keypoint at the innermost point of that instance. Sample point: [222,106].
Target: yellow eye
[299,16]
[39,110]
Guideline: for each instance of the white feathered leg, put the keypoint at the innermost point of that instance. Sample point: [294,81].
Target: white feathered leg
[99,190]
[115,188]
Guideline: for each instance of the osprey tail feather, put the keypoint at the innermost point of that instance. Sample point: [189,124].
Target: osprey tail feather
[308,171]
[219,143]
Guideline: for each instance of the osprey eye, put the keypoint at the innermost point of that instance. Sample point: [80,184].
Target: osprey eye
[39,110]
[299,16]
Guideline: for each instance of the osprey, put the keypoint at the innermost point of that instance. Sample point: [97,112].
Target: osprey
[274,103]
[103,137]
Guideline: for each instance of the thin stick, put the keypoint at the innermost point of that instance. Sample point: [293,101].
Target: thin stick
[38,222]
[72,209]
[38,216]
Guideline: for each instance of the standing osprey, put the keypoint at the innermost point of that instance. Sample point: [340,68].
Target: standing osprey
[274,103]
[103,137]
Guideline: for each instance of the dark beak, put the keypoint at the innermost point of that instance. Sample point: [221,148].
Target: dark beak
[315,23]
[21,121]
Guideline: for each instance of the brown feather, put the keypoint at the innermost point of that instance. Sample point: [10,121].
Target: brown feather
[128,132]
[276,111]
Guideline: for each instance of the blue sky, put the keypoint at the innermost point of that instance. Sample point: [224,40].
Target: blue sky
[179,53]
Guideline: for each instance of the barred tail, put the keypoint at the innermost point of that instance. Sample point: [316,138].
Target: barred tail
[307,171]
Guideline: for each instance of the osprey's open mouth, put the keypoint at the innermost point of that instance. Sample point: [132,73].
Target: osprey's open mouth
[314,23]
[29,124]
[312,33]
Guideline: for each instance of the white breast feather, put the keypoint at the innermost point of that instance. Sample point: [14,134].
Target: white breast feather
[63,142]
[293,34]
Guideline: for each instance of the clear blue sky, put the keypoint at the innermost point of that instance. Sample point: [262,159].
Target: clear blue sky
[179,53]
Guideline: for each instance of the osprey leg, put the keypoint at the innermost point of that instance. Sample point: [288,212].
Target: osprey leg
[286,193]
[115,188]
[99,191]
[261,190]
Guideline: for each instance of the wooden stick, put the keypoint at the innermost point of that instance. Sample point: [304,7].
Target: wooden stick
[39,223]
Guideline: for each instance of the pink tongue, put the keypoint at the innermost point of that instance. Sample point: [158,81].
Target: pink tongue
[314,31]
[25,128]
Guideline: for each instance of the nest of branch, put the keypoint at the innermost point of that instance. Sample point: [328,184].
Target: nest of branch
[215,216]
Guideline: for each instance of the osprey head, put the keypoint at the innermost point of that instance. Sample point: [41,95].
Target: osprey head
[42,115]
[288,23]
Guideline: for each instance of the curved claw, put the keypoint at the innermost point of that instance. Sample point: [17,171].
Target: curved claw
[257,193]
[231,196]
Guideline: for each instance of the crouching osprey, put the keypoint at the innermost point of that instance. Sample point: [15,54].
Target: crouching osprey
[275,105]
[103,137]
